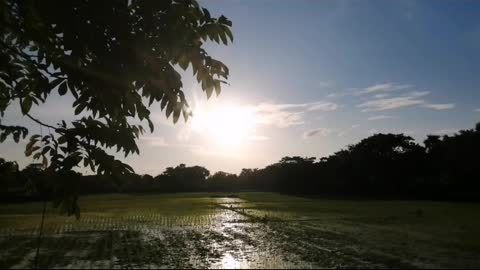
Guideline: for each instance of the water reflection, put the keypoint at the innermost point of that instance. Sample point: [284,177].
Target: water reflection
[244,243]
[229,262]
[225,236]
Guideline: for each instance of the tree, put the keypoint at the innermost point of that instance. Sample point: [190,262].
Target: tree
[183,178]
[222,181]
[8,173]
[8,167]
[115,58]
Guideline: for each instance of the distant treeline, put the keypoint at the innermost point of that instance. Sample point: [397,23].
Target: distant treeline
[384,166]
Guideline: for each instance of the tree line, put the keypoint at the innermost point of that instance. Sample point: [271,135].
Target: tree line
[384,166]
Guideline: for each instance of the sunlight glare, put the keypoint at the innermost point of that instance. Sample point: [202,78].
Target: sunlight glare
[229,126]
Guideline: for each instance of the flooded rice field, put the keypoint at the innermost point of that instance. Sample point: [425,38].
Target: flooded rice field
[247,231]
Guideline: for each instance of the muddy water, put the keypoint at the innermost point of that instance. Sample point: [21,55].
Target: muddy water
[233,237]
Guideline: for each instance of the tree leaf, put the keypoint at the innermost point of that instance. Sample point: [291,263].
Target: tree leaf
[29,151]
[169,109]
[176,116]
[16,137]
[218,88]
[150,124]
[164,102]
[223,37]
[80,108]
[29,146]
[62,90]
[207,14]
[183,62]
[44,162]
[55,83]
[26,105]
[228,32]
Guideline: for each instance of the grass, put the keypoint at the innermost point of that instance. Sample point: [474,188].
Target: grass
[258,230]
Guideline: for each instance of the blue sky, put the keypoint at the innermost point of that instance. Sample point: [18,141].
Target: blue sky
[315,76]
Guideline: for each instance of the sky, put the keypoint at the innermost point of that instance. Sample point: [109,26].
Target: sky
[309,78]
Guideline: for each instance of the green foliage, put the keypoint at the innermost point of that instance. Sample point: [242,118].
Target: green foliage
[116,59]
[15,131]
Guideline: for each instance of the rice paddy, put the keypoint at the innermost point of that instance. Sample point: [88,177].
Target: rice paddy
[247,230]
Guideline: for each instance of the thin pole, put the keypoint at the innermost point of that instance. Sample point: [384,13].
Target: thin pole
[39,239]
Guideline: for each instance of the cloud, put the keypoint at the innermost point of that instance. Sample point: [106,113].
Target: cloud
[384,87]
[381,117]
[390,103]
[447,131]
[280,118]
[318,132]
[184,134]
[373,131]
[477,110]
[382,95]
[384,101]
[311,106]
[161,119]
[348,130]
[336,95]
[154,141]
[419,93]
[378,87]
[203,150]
[323,106]
[439,106]
[258,138]
[323,84]
[290,114]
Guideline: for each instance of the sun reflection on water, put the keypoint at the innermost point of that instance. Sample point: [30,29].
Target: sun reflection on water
[229,262]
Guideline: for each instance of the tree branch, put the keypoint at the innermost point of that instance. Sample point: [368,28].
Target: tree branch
[28,58]
[40,122]
[35,119]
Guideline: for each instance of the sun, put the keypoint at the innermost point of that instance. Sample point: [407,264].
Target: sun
[229,126]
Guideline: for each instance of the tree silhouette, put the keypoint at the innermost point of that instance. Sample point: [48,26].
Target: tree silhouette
[115,58]
[8,176]
[183,178]
[222,181]
[386,166]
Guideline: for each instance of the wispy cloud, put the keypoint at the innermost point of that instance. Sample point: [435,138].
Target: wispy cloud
[258,138]
[382,102]
[292,114]
[324,84]
[154,141]
[209,151]
[439,106]
[390,103]
[384,87]
[334,95]
[381,117]
[477,110]
[197,149]
[382,95]
[339,94]
[419,93]
[323,106]
[318,132]
[279,117]
[311,106]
